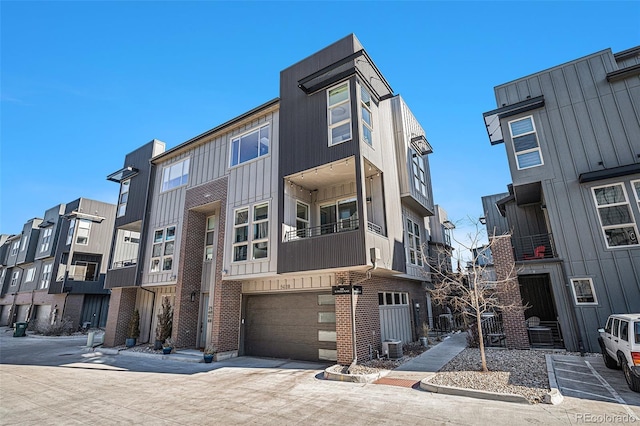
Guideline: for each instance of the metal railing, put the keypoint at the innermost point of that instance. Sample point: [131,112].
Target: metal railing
[374,228]
[328,228]
[124,263]
[534,247]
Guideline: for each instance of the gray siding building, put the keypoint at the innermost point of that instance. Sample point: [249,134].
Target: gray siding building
[572,139]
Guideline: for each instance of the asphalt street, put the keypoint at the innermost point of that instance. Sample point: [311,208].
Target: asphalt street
[59,381]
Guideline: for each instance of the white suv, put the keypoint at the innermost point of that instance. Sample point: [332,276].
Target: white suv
[620,344]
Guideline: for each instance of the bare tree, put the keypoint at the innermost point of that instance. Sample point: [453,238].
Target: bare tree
[475,290]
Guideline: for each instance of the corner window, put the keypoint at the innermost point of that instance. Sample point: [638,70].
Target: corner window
[258,239]
[46,276]
[365,111]
[30,275]
[616,218]
[46,239]
[175,175]
[415,243]
[525,143]
[124,197]
[162,249]
[583,291]
[419,172]
[250,145]
[84,229]
[72,228]
[339,114]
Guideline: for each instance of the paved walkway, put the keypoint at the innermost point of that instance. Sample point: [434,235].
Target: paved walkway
[427,364]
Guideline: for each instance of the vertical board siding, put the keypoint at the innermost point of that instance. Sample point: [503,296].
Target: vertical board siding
[395,323]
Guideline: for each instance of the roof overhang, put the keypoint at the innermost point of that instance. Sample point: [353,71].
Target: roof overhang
[46,224]
[79,215]
[492,118]
[613,172]
[123,174]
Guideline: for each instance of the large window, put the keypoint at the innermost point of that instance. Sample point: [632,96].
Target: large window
[341,216]
[46,239]
[250,145]
[124,197]
[84,229]
[415,243]
[339,114]
[583,291]
[525,143]
[46,276]
[162,249]
[175,175]
[258,239]
[367,120]
[419,172]
[616,218]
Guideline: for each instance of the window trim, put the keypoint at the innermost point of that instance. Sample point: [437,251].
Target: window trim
[30,275]
[412,237]
[45,278]
[184,181]
[15,248]
[123,204]
[78,236]
[251,240]
[207,231]
[604,228]
[15,277]
[402,295]
[526,151]
[575,296]
[636,195]
[160,259]
[363,105]
[45,241]
[415,164]
[248,132]
[307,221]
[246,242]
[346,102]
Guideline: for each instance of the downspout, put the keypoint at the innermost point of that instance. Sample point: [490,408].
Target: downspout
[353,314]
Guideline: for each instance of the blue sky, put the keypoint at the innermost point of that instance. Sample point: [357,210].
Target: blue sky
[84,83]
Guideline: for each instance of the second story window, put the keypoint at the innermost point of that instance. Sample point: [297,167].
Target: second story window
[616,218]
[46,239]
[339,114]
[260,231]
[419,172]
[525,143]
[367,120]
[46,276]
[415,243]
[84,229]
[124,197]
[175,175]
[240,235]
[258,239]
[14,248]
[162,249]
[250,145]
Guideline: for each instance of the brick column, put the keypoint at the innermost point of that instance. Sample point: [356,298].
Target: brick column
[225,328]
[344,338]
[513,320]
[121,306]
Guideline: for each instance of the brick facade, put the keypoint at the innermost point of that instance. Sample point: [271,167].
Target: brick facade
[513,320]
[121,307]
[225,330]
[368,315]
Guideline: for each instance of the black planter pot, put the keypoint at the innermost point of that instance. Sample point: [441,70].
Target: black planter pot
[166,351]
[130,342]
[208,358]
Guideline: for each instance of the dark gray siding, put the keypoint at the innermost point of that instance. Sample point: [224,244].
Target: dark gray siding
[496,223]
[52,220]
[31,232]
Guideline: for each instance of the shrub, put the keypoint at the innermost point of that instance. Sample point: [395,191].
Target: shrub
[134,325]
[165,321]
[63,327]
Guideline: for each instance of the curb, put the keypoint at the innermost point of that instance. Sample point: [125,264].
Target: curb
[171,357]
[554,396]
[354,378]
[472,393]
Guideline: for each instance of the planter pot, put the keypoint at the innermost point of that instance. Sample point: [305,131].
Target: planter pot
[166,351]
[208,358]
[157,345]
[424,342]
[130,342]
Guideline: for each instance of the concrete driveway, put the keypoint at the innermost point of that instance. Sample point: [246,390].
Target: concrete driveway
[56,381]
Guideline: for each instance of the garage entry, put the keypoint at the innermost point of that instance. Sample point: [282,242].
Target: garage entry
[298,326]
[5,310]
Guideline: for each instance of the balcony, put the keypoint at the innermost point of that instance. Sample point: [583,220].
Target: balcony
[316,231]
[534,247]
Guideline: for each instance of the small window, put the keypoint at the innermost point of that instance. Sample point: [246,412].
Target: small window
[525,143]
[636,191]
[326,299]
[326,336]
[14,248]
[327,317]
[637,331]
[241,235]
[624,331]
[175,175]
[250,146]
[339,114]
[583,291]
[124,197]
[209,238]
[392,298]
[14,278]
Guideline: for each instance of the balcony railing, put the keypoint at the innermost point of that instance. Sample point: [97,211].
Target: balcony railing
[534,247]
[328,228]
[374,228]
[124,263]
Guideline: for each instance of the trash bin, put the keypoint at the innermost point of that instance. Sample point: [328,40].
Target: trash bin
[21,329]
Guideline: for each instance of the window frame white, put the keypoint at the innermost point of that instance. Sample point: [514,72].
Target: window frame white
[302,232]
[15,247]
[30,275]
[347,104]
[636,192]
[604,228]
[209,229]
[23,242]
[83,225]
[252,227]
[516,154]
[419,172]
[45,241]
[402,295]
[165,178]
[123,198]
[158,261]
[71,231]
[414,242]
[575,294]
[239,138]
[45,279]
[236,226]
[256,226]
[366,107]
[15,277]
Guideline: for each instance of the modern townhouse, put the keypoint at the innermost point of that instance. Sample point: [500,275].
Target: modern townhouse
[572,139]
[256,230]
[54,269]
